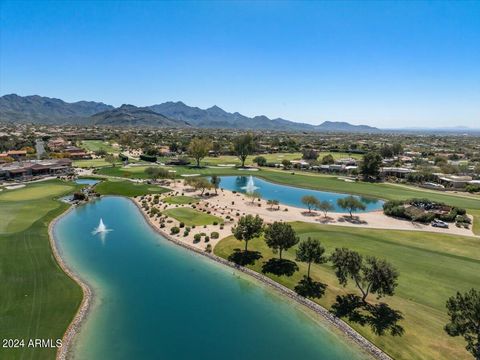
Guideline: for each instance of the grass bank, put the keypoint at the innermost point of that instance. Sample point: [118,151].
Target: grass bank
[127,188]
[192,217]
[432,267]
[38,300]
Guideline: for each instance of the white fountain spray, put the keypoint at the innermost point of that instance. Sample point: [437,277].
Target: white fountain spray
[101,230]
[101,226]
[250,188]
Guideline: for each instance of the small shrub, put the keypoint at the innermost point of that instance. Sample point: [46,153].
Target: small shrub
[181,225]
[214,235]
[197,238]
[207,239]
[174,230]
[208,248]
[215,223]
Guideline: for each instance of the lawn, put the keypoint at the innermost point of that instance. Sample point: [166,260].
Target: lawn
[476,221]
[37,300]
[180,200]
[96,145]
[273,158]
[127,188]
[192,217]
[21,207]
[432,267]
[93,163]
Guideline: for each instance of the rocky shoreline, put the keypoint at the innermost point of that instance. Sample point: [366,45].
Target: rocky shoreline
[63,352]
[338,323]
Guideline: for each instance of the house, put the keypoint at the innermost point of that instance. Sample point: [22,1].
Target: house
[76,153]
[453,181]
[57,144]
[17,154]
[399,172]
[27,170]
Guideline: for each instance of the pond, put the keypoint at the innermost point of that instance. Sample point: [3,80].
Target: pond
[290,195]
[156,300]
[83,181]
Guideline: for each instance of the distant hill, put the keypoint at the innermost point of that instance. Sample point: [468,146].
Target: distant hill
[37,109]
[339,126]
[215,117]
[129,115]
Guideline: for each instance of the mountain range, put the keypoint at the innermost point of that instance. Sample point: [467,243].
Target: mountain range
[45,110]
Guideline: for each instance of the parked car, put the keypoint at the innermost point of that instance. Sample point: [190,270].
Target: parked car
[440,224]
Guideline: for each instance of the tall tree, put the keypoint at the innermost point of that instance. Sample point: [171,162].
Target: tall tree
[248,228]
[464,312]
[371,276]
[370,166]
[325,206]
[243,146]
[310,202]
[309,154]
[199,148]
[351,204]
[215,181]
[280,236]
[328,160]
[311,251]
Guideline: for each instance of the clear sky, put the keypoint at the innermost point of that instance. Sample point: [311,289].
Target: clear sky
[387,64]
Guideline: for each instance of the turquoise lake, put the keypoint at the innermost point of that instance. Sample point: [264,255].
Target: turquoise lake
[156,300]
[290,195]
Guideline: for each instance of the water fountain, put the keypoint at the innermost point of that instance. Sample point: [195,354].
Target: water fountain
[101,229]
[250,188]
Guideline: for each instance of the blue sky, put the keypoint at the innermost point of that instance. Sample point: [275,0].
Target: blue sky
[387,64]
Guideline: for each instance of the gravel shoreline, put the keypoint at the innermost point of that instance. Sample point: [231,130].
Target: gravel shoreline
[63,352]
[338,323]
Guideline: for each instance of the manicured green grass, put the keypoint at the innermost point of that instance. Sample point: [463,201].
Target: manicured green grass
[272,158]
[127,188]
[476,221]
[432,267]
[138,172]
[21,207]
[191,216]
[96,145]
[35,191]
[37,299]
[180,200]
[93,163]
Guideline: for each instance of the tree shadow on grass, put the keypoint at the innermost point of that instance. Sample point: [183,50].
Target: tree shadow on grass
[244,258]
[383,319]
[309,288]
[380,317]
[280,267]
